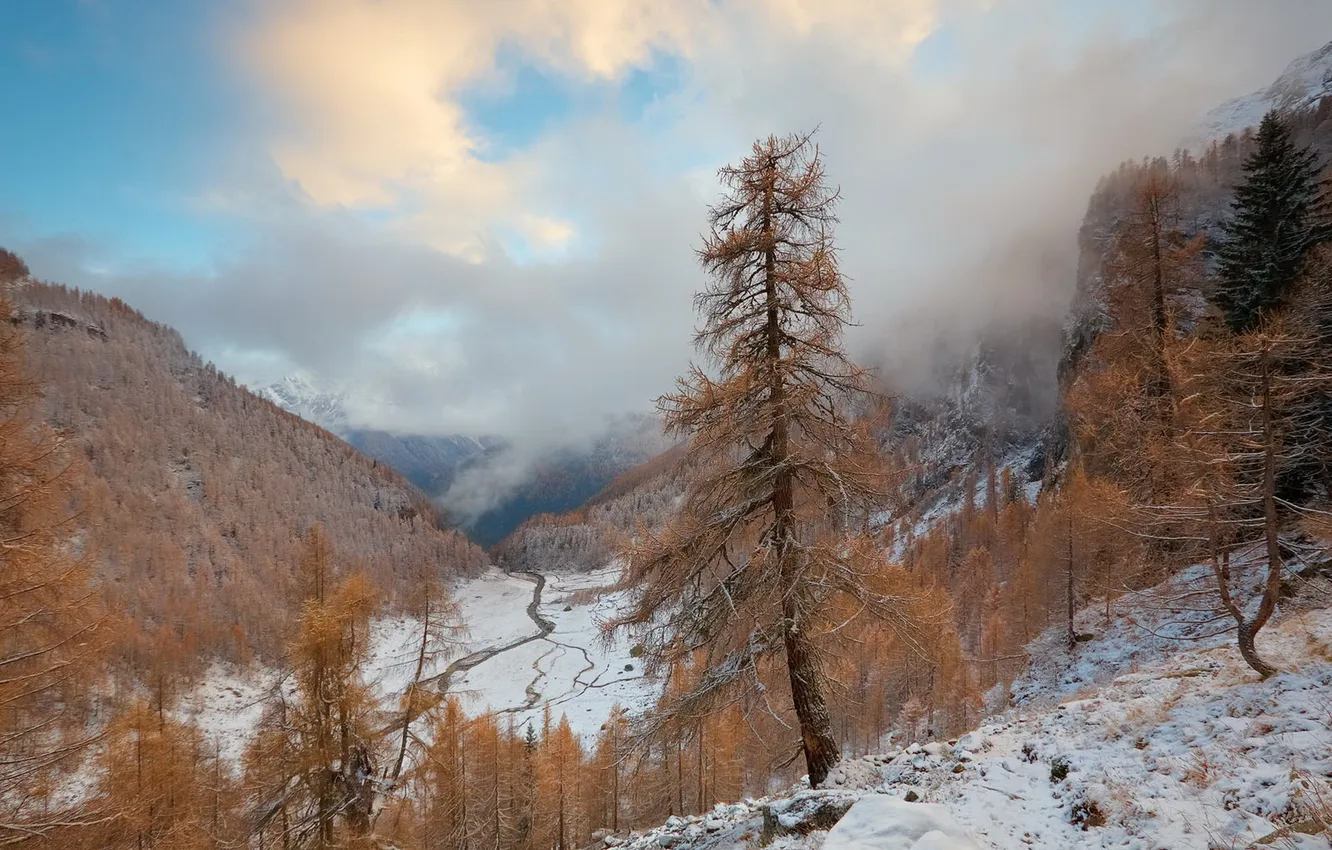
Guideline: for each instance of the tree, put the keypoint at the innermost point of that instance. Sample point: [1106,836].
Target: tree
[441,629]
[608,768]
[313,758]
[1246,422]
[1277,219]
[442,785]
[51,629]
[560,760]
[153,787]
[760,543]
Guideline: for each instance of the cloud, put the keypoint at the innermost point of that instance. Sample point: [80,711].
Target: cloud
[385,243]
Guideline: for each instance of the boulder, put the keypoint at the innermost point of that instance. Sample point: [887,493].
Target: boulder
[879,822]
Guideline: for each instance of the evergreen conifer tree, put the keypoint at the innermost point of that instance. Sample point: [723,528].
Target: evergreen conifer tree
[1277,219]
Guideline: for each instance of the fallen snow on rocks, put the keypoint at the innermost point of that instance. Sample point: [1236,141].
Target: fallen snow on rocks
[886,823]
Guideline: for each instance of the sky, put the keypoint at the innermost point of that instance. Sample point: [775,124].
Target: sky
[480,216]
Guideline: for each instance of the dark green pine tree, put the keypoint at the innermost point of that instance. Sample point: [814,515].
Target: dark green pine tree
[1277,219]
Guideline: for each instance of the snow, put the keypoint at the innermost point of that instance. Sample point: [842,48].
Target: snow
[303,394]
[226,706]
[493,609]
[1302,85]
[886,823]
[1132,741]
[572,668]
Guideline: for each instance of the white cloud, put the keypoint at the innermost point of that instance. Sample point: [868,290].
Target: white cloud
[963,188]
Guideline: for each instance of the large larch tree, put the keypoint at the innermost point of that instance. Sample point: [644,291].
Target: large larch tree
[761,551]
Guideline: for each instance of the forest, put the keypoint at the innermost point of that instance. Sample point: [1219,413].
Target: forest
[806,578]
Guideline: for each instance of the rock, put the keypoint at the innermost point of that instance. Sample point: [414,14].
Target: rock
[879,822]
[803,815]
[666,839]
[959,768]
[674,822]
[612,840]
[911,797]
[936,748]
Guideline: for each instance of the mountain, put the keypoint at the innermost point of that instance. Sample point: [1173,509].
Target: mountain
[197,490]
[567,478]
[431,463]
[558,481]
[299,394]
[1304,84]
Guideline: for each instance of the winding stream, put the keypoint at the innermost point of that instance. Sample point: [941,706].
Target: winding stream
[571,672]
[440,683]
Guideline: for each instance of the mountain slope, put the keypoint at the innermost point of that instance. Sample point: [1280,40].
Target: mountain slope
[1302,86]
[199,489]
[1183,749]
[300,395]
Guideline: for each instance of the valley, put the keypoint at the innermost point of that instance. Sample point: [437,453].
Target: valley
[525,642]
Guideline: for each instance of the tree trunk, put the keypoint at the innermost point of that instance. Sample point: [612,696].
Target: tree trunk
[699,808]
[821,751]
[1245,638]
[410,707]
[1068,587]
[811,708]
[615,782]
[1271,532]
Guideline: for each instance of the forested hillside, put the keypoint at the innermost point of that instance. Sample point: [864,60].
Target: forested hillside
[198,491]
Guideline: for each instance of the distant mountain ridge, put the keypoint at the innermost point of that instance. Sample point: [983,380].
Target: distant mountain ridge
[559,481]
[1302,86]
[299,393]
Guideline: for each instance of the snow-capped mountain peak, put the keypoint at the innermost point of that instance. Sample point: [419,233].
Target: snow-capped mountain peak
[302,394]
[1303,85]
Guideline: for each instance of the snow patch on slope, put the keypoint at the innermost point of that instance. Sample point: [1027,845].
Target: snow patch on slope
[1181,748]
[1303,85]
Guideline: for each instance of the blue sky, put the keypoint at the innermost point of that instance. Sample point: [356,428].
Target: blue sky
[129,113]
[122,115]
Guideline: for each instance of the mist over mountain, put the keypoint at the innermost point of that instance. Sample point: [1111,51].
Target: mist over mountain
[1302,86]
[486,485]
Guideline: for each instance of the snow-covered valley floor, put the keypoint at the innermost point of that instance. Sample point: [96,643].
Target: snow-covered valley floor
[571,668]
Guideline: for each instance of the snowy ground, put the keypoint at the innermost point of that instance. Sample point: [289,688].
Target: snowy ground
[1132,740]
[1155,746]
[571,668]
